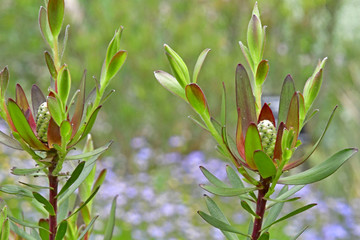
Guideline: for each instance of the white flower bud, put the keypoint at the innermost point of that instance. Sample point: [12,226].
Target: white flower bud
[267,133]
[42,121]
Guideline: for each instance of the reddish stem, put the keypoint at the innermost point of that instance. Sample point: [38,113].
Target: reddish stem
[53,183]
[260,208]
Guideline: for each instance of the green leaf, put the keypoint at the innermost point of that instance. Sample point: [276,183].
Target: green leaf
[4,81]
[220,224]
[293,213]
[226,192]
[245,100]
[276,209]
[26,171]
[55,110]
[85,187]
[86,215]
[197,99]
[114,66]
[50,64]
[261,72]
[3,216]
[23,126]
[212,179]
[16,190]
[170,83]
[88,227]
[292,120]
[114,45]
[64,85]
[45,28]
[65,132]
[100,179]
[20,232]
[284,195]
[234,178]
[66,36]
[287,92]
[247,208]
[320,171]
[111,221]
[9,141]
[265,236]
[84,203]
[199,64]
[216,212]
[96,152]
[223,106]
[46,204]
[5,230]
[312,88]
[252,143]
[179,62]
[247,56]
[74,176]
[36,187]
[264,164]
[255,38]
[44,224]
[55,13]
[301,232]
[61,231]
[25,223]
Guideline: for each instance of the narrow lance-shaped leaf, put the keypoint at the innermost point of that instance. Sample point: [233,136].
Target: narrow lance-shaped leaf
[44,27]
[287,92]
[4,81]
[64,85]
[37,98]
[55,11]
[84,203]
[227,191]
[240,139]
[50,64]
[55,109]
[223,106]
[114,45]
[245,100]
[88,227]
[212,179]
[170,83]
[252,143]
[61,231]
[79,107]
[234,178]
[45,202]
[66,36]
[292,120]
[199,64]
[5,230]
[247,208]
[197,99]
[178,60]
[9,141]
[247,56]
[311,89]
[255,38]
[321,171]
[74,176]
[111,221]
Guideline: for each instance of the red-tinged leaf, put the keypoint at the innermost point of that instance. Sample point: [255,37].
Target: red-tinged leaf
[55,11]
[247,55]
[255,38]
[114,66]
[240,140]
[170,83]
[245,100]
[44,27]
[50,64]
[53,134]
[266,114]
[264,164]
[302,111]
[292,120]
[199,64]
[287,92]
[261,72]
[37,98]
[4,80]
[23,127]
[196,98]
[23,103]
[277,149]
[79,107]
[252,143]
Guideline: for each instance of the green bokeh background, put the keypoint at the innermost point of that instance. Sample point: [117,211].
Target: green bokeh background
[299,34]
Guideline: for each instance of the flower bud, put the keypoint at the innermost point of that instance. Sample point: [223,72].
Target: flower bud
[42,121]
[267,133]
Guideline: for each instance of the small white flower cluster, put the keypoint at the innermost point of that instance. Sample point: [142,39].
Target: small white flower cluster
[42,121]
[267,133]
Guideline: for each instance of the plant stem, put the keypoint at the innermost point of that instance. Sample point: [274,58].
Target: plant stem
[260,208]
[53,184]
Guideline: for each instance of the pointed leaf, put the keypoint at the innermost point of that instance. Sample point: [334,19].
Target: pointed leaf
[292,120]
[4,81]
[44,27]
[61,231]
[50,64]
[24,223]
[84,203]
[196,98]
[114,66]
[111,222]
[247,208]
[275,209]
[245,100]
[261,72]
[64,85]
[9,141]
[79,107]
[287,92]
[223,106]
[199,64]
[277,149]
[220,224]
[226,191]
[302,111]
[181,64]
[95,152]
[178,74]
[266,114]
[234,178]
[23,104]
[216,212]
[312,88]
[212,179]
[252,143]
[293,213]
[301,232]
[53,134]
[74,176]
[100,179]
[264,236]
[240,140]
[264,164]
[255,38]
[5,230]
[285,194]
[247,56]
[66,36]
[25,171]
[23,126]
[170,83]
[37,98]
[321,171]
[88,227]
[55,13]
[114,45]
[45,203]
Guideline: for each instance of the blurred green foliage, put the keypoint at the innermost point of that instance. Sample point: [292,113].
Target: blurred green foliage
[299,33]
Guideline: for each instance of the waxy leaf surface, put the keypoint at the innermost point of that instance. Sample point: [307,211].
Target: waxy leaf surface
[287,92]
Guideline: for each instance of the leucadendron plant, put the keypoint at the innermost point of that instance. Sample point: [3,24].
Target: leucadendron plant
[48,130]
[263,148]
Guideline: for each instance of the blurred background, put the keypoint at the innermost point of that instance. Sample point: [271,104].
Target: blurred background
[153,163]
